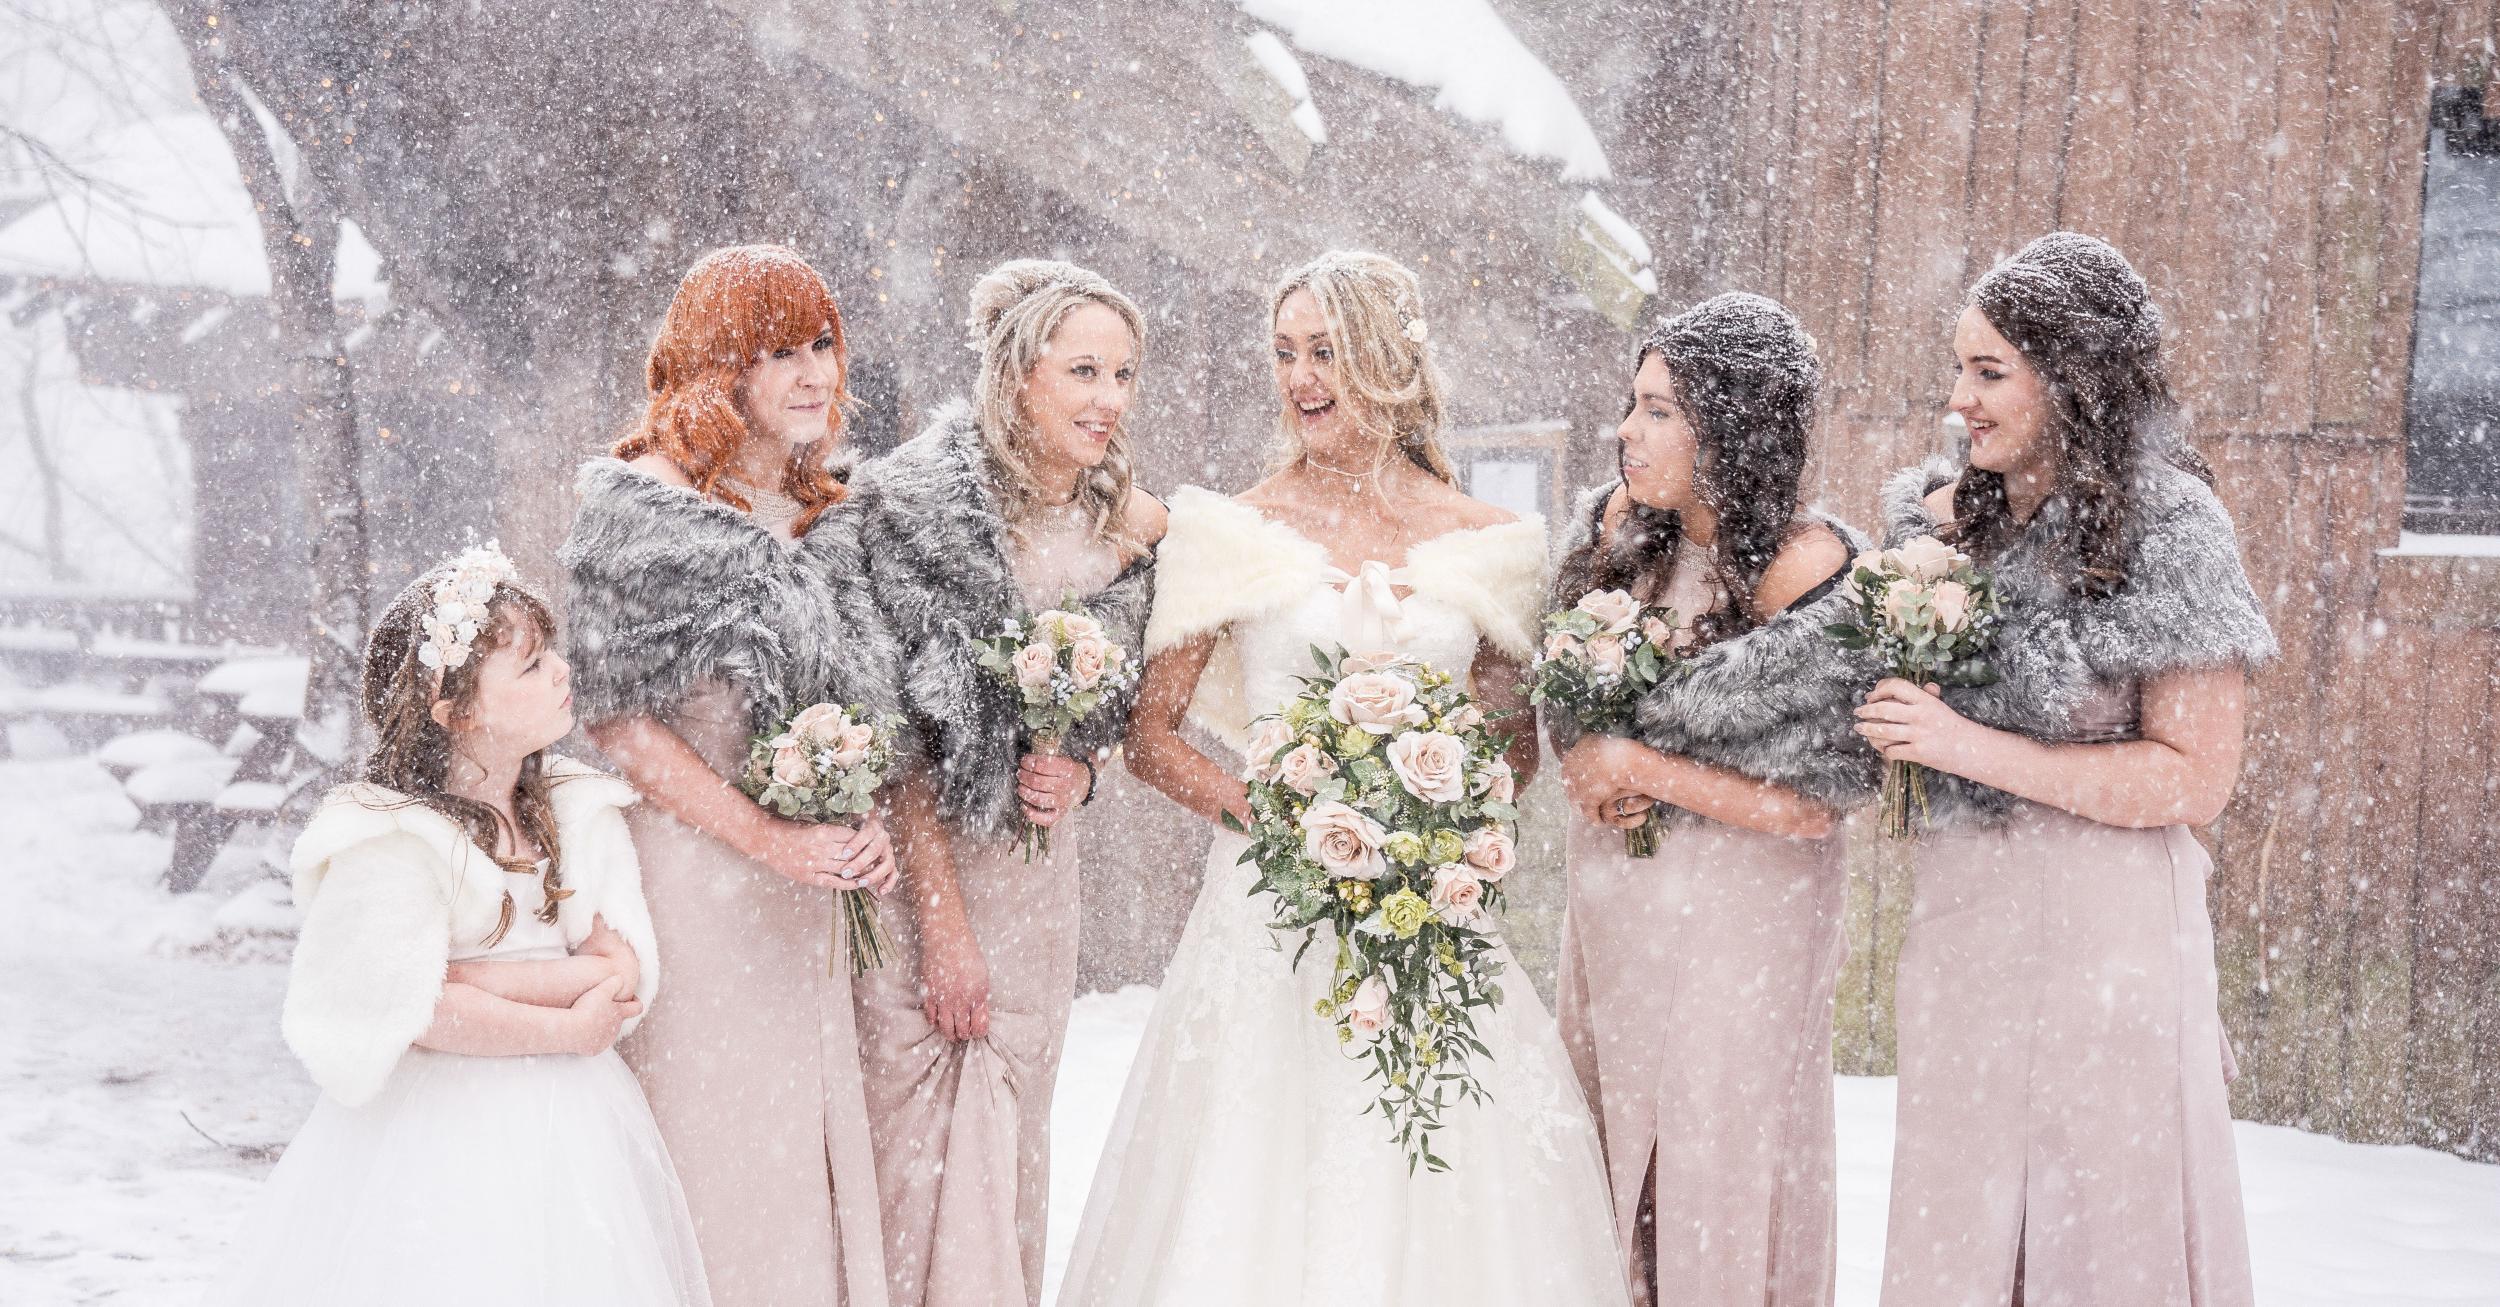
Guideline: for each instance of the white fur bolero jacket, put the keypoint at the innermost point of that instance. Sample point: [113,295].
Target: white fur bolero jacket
[392,890]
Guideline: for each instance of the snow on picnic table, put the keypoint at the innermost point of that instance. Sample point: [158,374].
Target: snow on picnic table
[144,1090]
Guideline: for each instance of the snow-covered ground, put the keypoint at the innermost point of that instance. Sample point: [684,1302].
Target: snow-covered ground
[143,1090]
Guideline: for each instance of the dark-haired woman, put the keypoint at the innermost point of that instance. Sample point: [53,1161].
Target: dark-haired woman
[2064,1132]
[474,940]
[1696,988]
[717,586]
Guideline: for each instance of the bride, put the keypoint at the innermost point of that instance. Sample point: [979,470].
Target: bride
[1242,1167]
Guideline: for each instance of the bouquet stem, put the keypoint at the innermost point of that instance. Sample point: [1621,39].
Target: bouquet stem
[1642,841]
[1905,789]
[855,910]
[1037,837]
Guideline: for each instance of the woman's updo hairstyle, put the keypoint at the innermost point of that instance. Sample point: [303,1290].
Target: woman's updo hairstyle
[2085,321]
[1016,308]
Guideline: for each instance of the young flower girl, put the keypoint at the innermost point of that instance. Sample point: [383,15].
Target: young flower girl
[474,941]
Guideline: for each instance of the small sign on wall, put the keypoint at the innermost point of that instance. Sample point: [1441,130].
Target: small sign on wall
[1516,466]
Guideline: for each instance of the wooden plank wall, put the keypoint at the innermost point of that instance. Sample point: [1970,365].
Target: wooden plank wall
[2261,162]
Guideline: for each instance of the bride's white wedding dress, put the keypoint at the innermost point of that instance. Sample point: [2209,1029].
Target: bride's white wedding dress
[1242,1167]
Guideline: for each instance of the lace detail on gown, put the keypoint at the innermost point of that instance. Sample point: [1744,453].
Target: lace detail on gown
[1242,1167]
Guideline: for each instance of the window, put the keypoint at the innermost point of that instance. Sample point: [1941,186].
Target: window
[2452,404]
[1516,467]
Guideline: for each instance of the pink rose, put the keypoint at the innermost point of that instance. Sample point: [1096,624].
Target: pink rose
[1270,736]
[1457,896]
[1377,660]
[1034,665]
[1562,644]
[1902,601]
[1615,610]
[820,723]
[1467,718]
[1305,767]
[1660,635]
[1606,656]
[1432,766]
[1060,629]
[850,747]
[1491,851]
[1088,658]
[1367,1013]
[1496,781]
[1376,701]
[792,768]
[1951,600]
[1926,558]
[1343,841]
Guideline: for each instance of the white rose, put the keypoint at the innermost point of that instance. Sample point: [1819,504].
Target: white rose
[1431,765]
[1927,558]
[1615,610]
[1376,701]
[1492,852]
[1457,895]
[1087,659]
[1377,660]
[1606,656]
[1343,841]
[1467,718]
[1496,781]
[791,768]
[1270,736]
[1305,767]
[1368,1011]
[1951,600]
[1034,664]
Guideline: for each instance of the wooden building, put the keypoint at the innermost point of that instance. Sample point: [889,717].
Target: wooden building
[2263,161]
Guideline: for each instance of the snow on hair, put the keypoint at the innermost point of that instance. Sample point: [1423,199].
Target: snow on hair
[1016,308]
[1374,308]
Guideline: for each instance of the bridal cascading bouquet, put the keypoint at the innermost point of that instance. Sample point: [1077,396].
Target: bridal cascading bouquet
[1061,667]
[1381,808]
[825,764]
[1601,656]
[1929,614]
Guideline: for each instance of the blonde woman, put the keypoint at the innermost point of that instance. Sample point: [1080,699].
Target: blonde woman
[1002,507]
[1242,1167]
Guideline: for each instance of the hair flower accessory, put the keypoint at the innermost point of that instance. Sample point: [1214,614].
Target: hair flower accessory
[1416,331]
[461,596]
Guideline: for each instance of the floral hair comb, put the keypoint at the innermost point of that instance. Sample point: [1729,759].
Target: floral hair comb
[461,596]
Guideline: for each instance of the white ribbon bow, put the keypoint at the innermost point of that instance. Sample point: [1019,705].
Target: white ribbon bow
[1372,616]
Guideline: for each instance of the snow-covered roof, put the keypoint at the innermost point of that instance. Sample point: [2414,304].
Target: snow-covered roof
[1463,52]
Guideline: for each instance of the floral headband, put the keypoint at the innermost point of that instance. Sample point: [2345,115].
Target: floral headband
[461,595]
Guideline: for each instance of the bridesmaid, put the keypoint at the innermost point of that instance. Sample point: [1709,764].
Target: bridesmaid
[1696,988]
[714,589]
[1009,505]
[2064,1131]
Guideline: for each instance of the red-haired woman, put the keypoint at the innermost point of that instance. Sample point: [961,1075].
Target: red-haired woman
[713,591]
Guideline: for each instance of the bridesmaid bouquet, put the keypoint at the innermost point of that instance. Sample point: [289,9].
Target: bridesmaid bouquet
[1061,668]
[824,765]
[1929,614]
[1601,656]
[1381,808]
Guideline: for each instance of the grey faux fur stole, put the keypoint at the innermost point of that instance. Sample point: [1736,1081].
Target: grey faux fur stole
[2186,603]
[1775,703]
[669,589]
[936,546]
